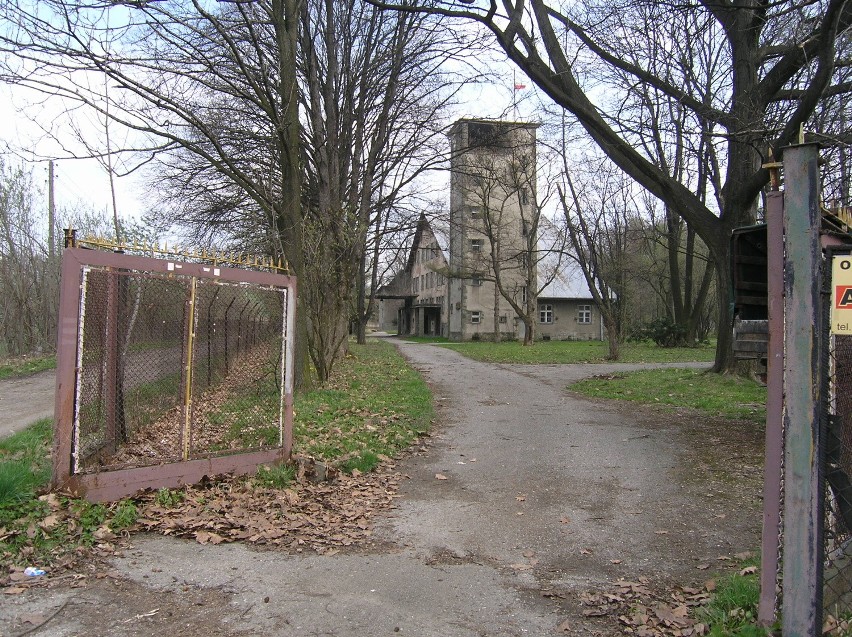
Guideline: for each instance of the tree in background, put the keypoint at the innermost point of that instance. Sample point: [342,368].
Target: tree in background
[601,219]
[29,266]
[29,284]
[186,77]
[747,76]
[374,92]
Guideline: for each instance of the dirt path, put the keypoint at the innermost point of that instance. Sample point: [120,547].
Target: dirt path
[25,400]
[529,498]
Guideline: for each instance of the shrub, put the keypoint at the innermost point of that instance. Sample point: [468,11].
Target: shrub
[664,332]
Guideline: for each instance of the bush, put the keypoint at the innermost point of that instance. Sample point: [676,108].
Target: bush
[664,332]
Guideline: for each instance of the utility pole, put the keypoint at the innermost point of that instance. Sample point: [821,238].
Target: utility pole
[51,211]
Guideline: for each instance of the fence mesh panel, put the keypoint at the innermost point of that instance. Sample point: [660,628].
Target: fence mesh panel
[175,368]
[837,525]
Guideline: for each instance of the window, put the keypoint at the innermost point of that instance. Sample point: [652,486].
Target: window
[525,197]
[524,294]
[475,212]
[545,313]
[476,245]
[476,281]
[584,314]
[504,319]
[476,317]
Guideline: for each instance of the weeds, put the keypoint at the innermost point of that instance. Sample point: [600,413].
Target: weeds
[124,515]
[169,498]
[278,476]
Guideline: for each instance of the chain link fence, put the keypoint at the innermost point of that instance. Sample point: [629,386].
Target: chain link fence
[837,471]
[173,367]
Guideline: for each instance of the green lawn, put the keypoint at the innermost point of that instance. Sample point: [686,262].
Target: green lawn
[17,367]
[373,406]
[554,352]
[714,394]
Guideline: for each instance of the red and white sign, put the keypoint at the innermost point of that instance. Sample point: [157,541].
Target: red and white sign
[841,303]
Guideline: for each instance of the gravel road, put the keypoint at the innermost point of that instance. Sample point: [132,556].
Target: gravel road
[25,400]
[528,497]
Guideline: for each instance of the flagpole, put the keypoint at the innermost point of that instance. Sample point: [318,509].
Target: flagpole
[515,94]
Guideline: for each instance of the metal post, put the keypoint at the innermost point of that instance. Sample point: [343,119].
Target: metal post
[774,409]
[289,370]
[803,340]
[111,368]
[66,362]
[190,322]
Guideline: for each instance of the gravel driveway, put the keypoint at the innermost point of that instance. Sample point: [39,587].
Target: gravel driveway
[527,498]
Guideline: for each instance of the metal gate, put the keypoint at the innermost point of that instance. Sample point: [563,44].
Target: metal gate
[169,370]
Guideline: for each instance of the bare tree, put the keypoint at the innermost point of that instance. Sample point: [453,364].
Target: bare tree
[181,74]
[374,95]
[599,220]
[678,270]
[27,273]
[750,75]
[372,92]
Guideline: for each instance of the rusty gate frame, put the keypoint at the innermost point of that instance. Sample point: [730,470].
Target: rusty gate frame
[114,484]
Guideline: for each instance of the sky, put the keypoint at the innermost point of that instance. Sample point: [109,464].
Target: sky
[84,183]
[78,182]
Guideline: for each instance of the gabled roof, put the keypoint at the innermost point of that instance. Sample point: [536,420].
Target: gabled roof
[568,281]
[441,232]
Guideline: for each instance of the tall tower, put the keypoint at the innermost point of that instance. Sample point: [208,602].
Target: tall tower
[492,194]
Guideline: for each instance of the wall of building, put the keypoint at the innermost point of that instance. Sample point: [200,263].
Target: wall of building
[567,322]
[483,153]
[389,314]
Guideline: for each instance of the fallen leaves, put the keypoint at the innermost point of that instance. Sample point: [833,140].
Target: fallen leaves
[317,516]
[440,476]
[644,612]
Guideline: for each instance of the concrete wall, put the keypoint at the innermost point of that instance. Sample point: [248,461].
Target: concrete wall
[566,323]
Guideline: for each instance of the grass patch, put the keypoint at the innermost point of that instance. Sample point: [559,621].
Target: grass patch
[561,352]
[730,397]
[17,367]
[732,610]
[374,406]
[25,463]
[277,476]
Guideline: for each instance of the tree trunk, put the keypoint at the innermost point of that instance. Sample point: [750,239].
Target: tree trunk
[612,334]
[724,361]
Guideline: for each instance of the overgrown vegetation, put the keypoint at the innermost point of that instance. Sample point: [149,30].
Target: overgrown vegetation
[732,397]
[558,352]
[24,463]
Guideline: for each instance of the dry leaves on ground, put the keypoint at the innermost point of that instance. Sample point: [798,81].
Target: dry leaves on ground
[645,613]
[321,517]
